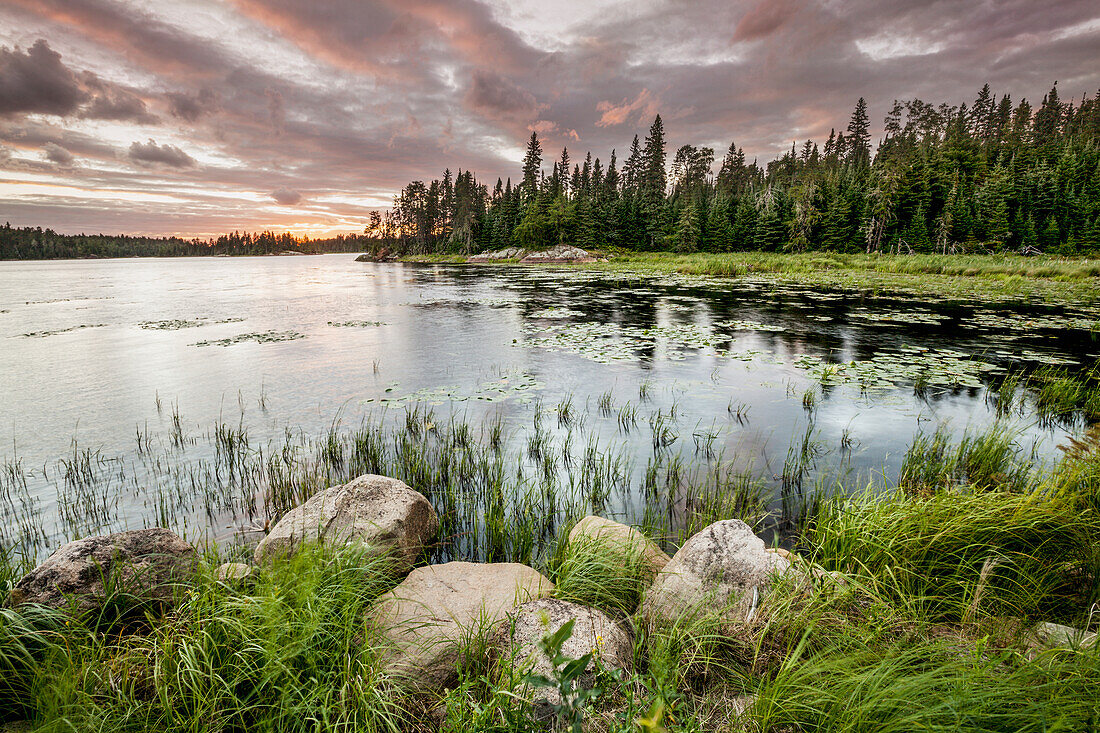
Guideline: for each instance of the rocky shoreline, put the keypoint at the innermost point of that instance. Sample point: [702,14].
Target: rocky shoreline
[559,254]
[428,616]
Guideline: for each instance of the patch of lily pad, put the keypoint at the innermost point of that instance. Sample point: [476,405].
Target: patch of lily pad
[56,331]
[1035,322]
[557,313]
[445,302]
[172,325]
[606,343]
[891,318]
[265,337]
[516,385]
[355,324]
[911,365]
[180,324]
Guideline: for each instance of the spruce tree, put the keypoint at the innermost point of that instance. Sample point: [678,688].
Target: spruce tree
[632,168]
[859,136]
[532,164]
[654,178]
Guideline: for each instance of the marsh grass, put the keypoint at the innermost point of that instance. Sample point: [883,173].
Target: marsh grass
[290,652]
[987,460]
[929,686]
[951,276]
[947,554]
[606,575]
[1062,396]
[898,644]
[976,544]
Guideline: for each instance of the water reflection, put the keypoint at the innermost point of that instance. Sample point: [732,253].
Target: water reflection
[721,360]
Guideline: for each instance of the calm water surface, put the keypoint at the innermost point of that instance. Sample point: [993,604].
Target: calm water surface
[95,354]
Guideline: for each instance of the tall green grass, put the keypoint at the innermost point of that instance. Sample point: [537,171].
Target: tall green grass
[987,460]
[951,555]
[931,686]
[290,652]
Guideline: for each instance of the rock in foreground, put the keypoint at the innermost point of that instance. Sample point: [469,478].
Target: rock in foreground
[619,539]
[593,632]
[133,567]
[377,512]
[426,618]
[724,566]
[233,572]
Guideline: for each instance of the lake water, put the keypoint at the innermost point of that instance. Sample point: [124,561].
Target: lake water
[101,355]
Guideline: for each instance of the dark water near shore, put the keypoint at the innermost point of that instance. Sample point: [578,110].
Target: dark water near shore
[98,354]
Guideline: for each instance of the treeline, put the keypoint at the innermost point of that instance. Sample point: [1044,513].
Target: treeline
[993,175]
[45,244]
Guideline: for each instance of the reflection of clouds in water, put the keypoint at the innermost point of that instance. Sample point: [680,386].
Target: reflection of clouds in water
[482,343]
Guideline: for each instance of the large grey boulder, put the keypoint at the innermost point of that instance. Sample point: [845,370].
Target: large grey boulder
[426,619]
[560,253]
[138,566]
[593,632]
[382,514]
[724,567]
[509,253]
[620,539]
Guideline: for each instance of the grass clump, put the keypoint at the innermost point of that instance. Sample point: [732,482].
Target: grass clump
[952,554]
[288,652]
[986,461]
[1061,395]
[930,686]
[603,574]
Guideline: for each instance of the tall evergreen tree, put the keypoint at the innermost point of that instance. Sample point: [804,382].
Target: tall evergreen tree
[532,165]
[859,136]
[654,178]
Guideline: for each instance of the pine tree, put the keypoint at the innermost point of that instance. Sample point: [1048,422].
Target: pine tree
[654,179]
[632,169]
[532,164]
[859,136]
[563,171]
[611,179]
[687,229]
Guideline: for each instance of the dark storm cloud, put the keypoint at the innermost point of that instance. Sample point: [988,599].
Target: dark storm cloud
[190,107]
[494,96]
[57,154]
[37,81]
[149,153]
[286,197]
[356,97]
[116,104]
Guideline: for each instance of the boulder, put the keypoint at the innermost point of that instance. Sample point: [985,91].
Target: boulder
[143,565]
[619,538]
[427,617]
[378,512]
[560,253]
[593,632]
[233,572]
[1047,635]
[725,566]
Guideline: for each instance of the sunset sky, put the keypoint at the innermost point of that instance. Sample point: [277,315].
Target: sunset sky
[199,117]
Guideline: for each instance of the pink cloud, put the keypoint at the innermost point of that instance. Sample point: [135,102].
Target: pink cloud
[641,107]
